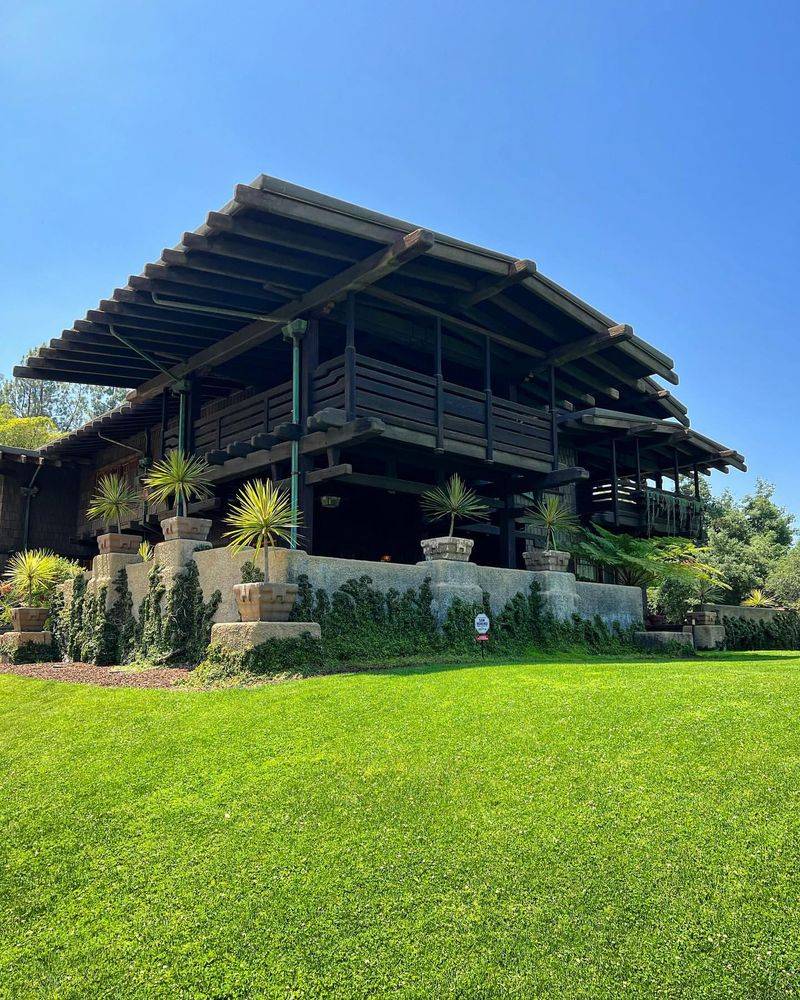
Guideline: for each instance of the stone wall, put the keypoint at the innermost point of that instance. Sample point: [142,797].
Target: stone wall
[737,611]
[220,570]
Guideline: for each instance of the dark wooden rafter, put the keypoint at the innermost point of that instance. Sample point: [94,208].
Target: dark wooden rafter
[583,348]
[352,279]
[490,286]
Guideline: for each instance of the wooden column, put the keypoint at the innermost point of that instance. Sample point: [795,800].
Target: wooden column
[487,388]
[193,406]
[639,483]
[162,447]
[553,417]
[309,359]
[676,472]
[439,376]
[696,474]
[508,534]
[614,483]
[350,358]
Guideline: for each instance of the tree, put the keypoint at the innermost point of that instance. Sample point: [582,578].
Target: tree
[747,538]
[68,405]
[25,432]
[783,581]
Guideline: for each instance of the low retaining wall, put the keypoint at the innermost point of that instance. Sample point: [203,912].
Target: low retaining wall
[737,611]
[219,570]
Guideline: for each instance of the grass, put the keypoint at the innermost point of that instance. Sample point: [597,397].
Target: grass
[549,829]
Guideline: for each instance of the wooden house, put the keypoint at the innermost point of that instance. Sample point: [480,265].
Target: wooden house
[306,339]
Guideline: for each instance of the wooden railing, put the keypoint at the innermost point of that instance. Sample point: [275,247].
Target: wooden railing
[649,510]
[447,411]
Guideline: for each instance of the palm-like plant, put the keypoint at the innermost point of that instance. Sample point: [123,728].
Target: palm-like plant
[145,551]
[758,598]
[646,562]
[31,574]
[555,516]
[113,500]
[455,500]
[261,515]
[181,477]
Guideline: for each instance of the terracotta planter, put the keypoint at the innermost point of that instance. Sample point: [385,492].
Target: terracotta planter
[113,541]
[546,560]
[701,618]
[190,529]
[447,547]
[265,602]
[29,619]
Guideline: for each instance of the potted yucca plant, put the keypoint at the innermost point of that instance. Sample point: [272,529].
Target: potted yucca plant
[455,501]
[556,518]
[262,515]
[180,479]
[113,501]
[32,574]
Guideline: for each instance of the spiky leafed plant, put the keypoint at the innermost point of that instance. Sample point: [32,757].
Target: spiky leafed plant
[31,574]
[555,516]
[181,477]
[455,500]
[758,598]
[260,516]
[113,500]
[145,551]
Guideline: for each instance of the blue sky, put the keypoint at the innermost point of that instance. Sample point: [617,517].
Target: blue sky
[645,155]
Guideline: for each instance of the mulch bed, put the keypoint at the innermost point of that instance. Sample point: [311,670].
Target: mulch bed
[86,673]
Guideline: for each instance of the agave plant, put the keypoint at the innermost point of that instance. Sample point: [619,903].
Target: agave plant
[758,598]
[113,500]
[145,551]
[181,477]
[261,515]
[32,573]
[555,516]
[455,500]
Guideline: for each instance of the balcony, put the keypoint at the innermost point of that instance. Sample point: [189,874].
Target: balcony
[647,511]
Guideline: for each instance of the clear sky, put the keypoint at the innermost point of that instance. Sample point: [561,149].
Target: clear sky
[646,155]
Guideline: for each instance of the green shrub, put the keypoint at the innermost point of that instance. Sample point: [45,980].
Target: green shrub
[782,631]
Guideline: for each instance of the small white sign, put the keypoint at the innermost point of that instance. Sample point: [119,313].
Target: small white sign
[481,624]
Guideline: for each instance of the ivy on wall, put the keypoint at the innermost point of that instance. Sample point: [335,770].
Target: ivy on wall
[362,626]
[172,626]
[780,632]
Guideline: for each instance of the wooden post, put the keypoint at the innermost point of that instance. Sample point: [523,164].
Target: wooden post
[614,483]
[553,417]
[676,472]
[508,534]
[639,484]
[162,448]
[696,474]
[350,358]
[309,359]
[439,376]
[487,388]
[194,404]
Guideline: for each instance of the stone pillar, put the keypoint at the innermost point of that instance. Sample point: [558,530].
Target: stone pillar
[105,568]
[172,557]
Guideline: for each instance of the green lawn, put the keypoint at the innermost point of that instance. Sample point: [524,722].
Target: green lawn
[551,829]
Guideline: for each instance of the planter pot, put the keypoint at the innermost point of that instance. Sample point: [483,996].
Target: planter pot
[113,541]
[265,602]
[29,619]
[701,618]
[190,529]
[546,560]
[447,547]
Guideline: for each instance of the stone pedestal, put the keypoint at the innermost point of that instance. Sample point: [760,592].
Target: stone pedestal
[450,579]
[707,636]
[656,641]
[10,642]
[243,636]
[105,568]
[172,556]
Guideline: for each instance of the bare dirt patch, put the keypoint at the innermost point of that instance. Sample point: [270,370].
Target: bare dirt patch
[87,673]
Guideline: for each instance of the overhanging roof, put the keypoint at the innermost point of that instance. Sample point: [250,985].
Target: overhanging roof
[278,250]
[658,440]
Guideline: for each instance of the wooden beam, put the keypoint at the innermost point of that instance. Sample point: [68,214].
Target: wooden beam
[353,278]
[583,348]
[491,285]
[318,476]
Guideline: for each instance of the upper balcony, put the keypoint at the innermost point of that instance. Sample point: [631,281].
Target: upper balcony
[646,510]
